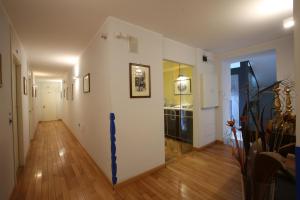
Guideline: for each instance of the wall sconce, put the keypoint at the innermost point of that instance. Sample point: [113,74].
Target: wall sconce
[288,23]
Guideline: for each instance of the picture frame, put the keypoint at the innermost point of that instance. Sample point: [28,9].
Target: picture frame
[140,80]
[32,91]
[1,71]
[72,91]
[182,87]
[67,94]
[86,83]
[25,86]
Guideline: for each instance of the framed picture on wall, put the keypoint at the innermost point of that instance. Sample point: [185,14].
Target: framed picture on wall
[86,83]
[72,91]
[182,86]
[140,81]
[0,71]
[67,94]
[32,91]
[25,86]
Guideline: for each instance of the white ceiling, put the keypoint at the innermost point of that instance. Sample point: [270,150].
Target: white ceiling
[54,31]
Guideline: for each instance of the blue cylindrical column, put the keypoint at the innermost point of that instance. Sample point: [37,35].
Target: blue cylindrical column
[113,149]
[298,172]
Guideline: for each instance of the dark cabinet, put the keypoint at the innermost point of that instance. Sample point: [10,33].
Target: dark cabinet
[179,124]
[172,123]
[186,126]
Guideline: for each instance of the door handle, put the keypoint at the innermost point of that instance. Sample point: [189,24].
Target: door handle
[10,121]
[173,115]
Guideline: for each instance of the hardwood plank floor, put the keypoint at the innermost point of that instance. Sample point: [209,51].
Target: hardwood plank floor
[58,168]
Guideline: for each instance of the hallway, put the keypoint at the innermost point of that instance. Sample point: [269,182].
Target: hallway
[72,72]
[59,168]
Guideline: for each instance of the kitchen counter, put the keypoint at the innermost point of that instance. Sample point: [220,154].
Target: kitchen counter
[176,108]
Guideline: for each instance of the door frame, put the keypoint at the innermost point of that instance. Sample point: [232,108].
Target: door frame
[194,101]
[44,87]
[225,84]
[17,109]
[31,96]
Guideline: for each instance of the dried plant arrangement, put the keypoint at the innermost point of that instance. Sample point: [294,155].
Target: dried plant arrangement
[265,145]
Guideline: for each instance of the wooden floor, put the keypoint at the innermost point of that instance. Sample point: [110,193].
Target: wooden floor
[175,149]
[58,168]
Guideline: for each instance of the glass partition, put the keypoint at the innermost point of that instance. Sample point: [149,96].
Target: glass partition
[178,109]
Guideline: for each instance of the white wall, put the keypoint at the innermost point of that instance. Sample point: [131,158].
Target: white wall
[6,135]
[207,121]
[284,49]
[139,122]
[179,52]
[262,64]
[88,114]
[35,114]
[284,65]
[20,54]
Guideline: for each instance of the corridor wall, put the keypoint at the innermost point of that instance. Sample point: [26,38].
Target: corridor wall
[139,122]
[9,44]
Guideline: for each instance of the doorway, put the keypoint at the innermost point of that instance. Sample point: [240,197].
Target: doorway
[178,109]
[49,99]
[251,79]
[17,92]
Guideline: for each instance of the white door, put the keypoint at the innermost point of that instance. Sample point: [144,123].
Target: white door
[6,131]
[49,101]
[17,115]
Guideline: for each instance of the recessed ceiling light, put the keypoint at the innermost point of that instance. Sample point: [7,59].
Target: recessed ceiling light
[43,74]
[288,23]
[67,59]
